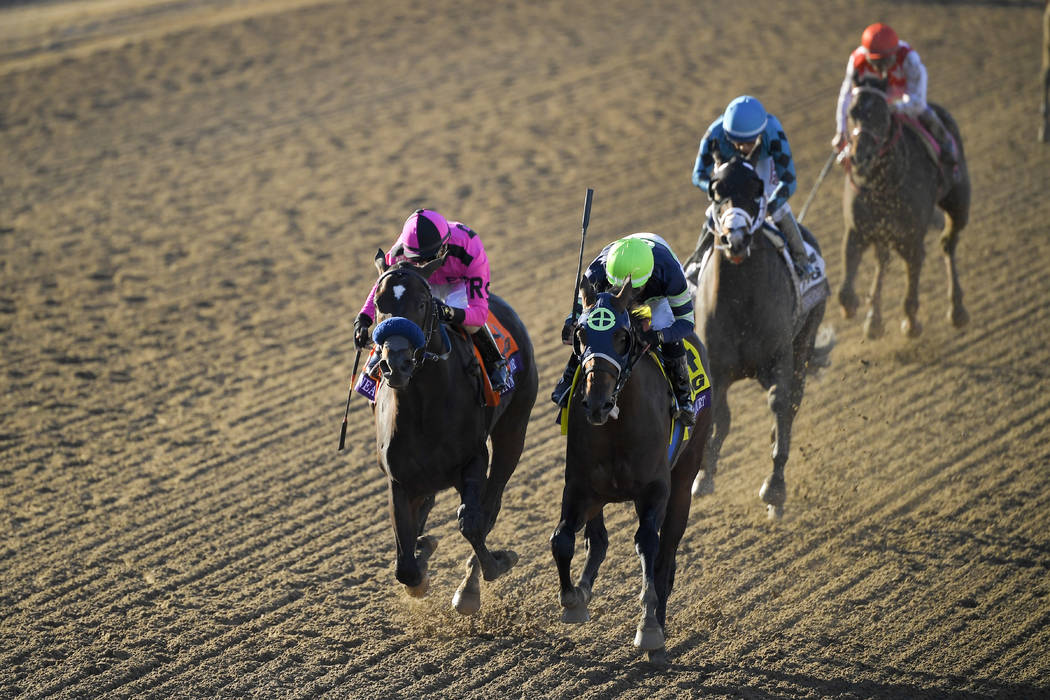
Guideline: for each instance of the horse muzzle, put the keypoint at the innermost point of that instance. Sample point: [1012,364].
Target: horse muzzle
[734,245]
[397,363]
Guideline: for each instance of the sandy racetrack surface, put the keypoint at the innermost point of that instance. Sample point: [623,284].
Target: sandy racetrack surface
[190,197]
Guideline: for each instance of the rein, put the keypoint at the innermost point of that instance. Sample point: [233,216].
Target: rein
[430,324]
[884,143]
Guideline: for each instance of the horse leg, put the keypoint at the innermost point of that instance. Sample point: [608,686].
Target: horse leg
[783,402]
[574,599]
[873,327]
[704,484]
[597,545]
[956,217]
[913,259]
[508,441]
[413,550]
[472,521]
[651,507]
[852,251]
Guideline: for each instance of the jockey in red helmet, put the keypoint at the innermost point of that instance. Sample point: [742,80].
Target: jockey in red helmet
[461,283]
[881,53]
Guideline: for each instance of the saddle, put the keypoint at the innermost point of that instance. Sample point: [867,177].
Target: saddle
[932,146]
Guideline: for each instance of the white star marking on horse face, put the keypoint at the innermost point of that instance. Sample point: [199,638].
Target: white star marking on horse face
[399,291]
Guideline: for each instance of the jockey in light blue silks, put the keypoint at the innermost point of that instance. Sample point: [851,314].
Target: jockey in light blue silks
[744,127]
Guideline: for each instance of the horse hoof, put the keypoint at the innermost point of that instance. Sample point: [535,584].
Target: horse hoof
[649,638]
[848,302]
[872,327]
[575,616]
[773,494]
[421,588]
[959,317]
[774,512]
[465,601]
[659,658]
[703,486]
[912,329]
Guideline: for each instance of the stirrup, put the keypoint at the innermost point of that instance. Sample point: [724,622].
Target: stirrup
[685,414]
[499,377]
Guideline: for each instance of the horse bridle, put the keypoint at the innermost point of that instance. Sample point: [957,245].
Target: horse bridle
[882,142]
[430,323]
[623,364]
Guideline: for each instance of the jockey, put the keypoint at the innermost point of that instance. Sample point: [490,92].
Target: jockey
[744,127]
[460,285]
[884,55]
[655,271]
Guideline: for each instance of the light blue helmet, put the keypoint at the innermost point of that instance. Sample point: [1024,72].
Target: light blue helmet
[744,119]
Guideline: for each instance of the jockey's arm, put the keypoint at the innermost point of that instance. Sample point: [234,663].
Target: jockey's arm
[705,160]
[780,152]
[913,102]
[844,98]
[476,277]
[681,303]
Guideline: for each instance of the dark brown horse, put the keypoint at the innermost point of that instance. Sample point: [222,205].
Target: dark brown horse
[1044,128]
[432,428]
[621,447]
[753,319]
[892,189]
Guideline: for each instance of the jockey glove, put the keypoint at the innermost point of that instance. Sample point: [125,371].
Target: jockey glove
[567,329]
[652,337]
[361,334]
[450,314]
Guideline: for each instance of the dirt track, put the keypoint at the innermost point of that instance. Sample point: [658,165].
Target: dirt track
[190,197]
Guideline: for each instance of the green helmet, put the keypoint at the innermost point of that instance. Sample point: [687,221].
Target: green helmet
[629,257]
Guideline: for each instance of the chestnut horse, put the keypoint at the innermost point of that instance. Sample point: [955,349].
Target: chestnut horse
[891,191]
[432,429]
[622,446]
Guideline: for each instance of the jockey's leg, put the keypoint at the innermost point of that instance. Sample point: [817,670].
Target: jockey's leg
[560,395]
[498,373]
[929,119]
[789,227]
[674,356]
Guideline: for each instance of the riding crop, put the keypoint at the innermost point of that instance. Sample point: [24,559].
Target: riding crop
[346,413]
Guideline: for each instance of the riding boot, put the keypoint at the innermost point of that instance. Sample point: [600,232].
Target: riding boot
[932,121]
[679,372]
[499,375]
[789,227]
[560,395]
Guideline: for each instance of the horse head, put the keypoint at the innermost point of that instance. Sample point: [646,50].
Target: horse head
[407,318]
[604,341]
[870,123]
[738,206]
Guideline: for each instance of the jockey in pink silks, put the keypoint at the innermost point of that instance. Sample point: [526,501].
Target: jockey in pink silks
[883,54]
[460,285]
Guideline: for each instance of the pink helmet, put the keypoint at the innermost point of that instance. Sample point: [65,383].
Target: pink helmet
[423,234]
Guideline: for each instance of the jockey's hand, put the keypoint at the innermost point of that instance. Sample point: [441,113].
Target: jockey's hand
[361,335]
[839,142]
[447,313]
[651,337]
[567,330]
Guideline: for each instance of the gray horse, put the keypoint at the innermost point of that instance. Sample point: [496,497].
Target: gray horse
[753,319]
[892,190]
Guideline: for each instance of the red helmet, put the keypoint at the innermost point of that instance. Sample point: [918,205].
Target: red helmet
[879,40]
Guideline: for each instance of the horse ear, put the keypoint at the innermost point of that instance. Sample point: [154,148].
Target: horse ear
[587,292]
[380,261]
[428,269]
[626,293]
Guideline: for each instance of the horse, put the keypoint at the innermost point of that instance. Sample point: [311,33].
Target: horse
[432,429]
[1044,128]
[752,318]
[622,445]
[891,191]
